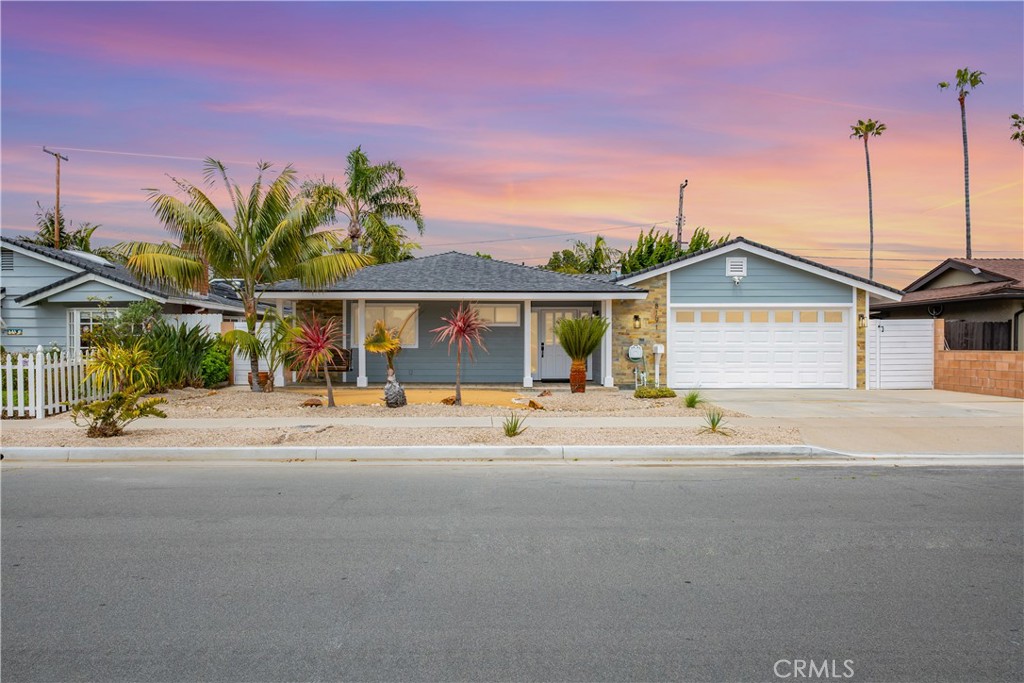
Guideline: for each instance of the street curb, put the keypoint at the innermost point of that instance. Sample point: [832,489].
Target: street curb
[417,453]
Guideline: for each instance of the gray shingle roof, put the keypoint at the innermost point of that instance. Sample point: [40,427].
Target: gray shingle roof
[743,240]
[115,272]
[457,272]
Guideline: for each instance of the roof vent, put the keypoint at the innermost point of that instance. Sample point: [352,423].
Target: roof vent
[976,270]
[736,267]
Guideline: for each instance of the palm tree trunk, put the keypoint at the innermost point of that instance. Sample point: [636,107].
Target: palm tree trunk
[967,174]
[458,375]
[871,216]
[254,359]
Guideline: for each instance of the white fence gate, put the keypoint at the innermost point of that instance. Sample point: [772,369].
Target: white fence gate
[901,354]
[38,384]
[208,321]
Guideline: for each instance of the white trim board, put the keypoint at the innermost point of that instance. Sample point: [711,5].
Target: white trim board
[90,277]
[746,246]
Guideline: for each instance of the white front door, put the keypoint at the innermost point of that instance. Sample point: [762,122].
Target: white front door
[554,362]
[778,347]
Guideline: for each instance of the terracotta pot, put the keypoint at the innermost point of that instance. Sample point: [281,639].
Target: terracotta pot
[264,377]
[578,377]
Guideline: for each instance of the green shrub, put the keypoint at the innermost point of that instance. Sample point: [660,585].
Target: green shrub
[110,416]
[692,399]
[216,365]
[178,351]
[513,425]
[653,392]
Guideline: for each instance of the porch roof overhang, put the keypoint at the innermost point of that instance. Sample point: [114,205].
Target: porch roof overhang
[379,295]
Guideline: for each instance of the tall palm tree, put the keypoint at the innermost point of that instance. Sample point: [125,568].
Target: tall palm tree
[372,196]
[271,236]
[966,81]
[862,131]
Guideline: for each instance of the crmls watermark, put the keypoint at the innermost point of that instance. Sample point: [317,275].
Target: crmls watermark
[808,668]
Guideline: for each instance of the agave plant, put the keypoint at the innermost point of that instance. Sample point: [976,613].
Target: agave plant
[463,328]
[315,343]
[580,337]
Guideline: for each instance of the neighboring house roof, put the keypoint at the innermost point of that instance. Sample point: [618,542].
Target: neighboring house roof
[462,276]
[88,267]
[768,252]
[997,278]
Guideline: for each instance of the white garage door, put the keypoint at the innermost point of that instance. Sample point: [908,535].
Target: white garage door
[779,347]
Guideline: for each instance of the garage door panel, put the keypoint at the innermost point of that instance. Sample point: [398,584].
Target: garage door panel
[762,354]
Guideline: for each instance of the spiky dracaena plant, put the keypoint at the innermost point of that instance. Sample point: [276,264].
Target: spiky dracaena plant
[463,328]
[270,235]
[580,337]
[315,343]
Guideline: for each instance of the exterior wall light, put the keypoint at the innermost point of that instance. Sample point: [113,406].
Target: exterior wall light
[636,322]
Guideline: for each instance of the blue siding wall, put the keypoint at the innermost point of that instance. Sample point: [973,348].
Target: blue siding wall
[767,281]
[41,324]
[502,362]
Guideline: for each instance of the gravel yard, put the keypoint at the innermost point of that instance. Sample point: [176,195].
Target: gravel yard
[241,410]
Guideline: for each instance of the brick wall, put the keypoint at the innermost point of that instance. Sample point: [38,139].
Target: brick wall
[996,373]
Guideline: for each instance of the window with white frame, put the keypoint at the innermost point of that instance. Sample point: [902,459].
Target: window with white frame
[498,315]
[83,321]
[403,317]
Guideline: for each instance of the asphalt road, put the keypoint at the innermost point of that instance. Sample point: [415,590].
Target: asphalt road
[348,572]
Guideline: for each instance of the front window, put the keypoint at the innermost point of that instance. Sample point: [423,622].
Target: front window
[498,315]
[83,322]
[395,316]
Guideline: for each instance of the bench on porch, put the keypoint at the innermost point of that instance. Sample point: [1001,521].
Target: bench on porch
[340,362]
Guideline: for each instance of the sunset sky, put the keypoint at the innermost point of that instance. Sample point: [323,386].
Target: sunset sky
[525,125]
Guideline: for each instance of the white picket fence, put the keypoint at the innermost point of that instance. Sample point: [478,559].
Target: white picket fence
[40,384]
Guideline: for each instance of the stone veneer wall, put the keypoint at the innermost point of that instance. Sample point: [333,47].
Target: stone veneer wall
[653,312]
[995,373]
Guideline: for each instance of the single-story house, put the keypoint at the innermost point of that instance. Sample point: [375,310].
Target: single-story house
[987,290]
[741,314]
[51,296]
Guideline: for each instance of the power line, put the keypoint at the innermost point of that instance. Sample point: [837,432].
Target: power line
[544,237]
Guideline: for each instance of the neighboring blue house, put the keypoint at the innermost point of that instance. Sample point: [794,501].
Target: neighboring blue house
[49,296]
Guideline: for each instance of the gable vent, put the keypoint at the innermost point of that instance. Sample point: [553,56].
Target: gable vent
[6,260]
[735,267]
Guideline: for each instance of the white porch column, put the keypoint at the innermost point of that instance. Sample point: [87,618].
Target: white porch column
[360,326]
[606,346]
[527,345]
[280,376]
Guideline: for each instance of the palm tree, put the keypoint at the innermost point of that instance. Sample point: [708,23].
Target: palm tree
[463,328]
[79,239]
[862,131]
[585,258]
[1017,126]
[580,337]
[388,342]
[966,81]
[373,195]
[271,236]
[315,343]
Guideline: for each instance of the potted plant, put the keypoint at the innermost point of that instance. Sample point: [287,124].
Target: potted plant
[580,337]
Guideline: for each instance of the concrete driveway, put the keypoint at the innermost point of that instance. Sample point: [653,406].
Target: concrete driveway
[887,422]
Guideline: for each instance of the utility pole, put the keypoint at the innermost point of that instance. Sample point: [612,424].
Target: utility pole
[680,219]
[56,211]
